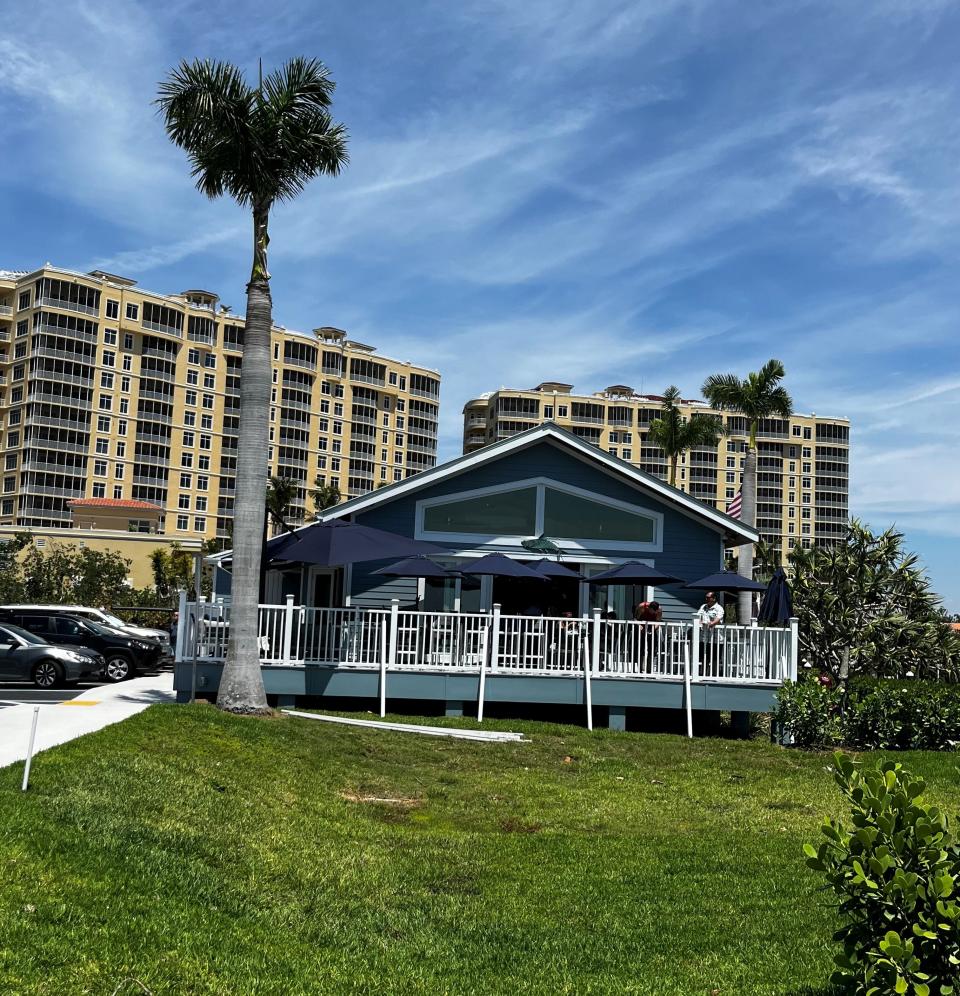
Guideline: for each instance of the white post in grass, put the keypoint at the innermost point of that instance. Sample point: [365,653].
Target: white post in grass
[794,647]
[691,666]
[33,736]
[591,665]
[482,685]
[392,653]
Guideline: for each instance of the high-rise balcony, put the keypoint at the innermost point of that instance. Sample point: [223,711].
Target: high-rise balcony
[63,305]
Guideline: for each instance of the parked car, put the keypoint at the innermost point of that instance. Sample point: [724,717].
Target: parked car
[124,655]
[25,655]
[105,619]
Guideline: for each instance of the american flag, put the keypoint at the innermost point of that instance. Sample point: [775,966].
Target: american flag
[735,504]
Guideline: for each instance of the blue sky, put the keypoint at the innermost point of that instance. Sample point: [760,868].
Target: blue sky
[595,191]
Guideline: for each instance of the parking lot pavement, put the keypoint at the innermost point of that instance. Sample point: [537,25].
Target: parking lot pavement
[13,692]
[84,712]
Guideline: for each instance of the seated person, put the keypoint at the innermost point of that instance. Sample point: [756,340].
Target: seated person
[648,612]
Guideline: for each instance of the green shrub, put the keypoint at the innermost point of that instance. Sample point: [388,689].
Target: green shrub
[896,871]
[808,714]
[875,714]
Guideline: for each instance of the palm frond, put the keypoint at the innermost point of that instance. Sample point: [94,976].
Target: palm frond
[723,391]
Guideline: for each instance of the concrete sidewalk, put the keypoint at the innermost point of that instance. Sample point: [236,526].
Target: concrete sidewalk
[90,711]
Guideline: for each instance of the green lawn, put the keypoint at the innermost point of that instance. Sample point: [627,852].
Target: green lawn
[199,853]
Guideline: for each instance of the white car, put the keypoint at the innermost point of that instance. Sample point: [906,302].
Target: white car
[107,619]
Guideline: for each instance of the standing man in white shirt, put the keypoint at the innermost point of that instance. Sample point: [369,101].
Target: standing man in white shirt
[710,615]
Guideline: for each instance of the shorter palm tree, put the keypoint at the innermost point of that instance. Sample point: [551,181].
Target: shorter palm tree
[324,495]
[280,494]
[675,435]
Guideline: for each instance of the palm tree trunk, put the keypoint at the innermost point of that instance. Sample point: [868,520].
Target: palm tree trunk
[241,685]
[673,470]
[748,515]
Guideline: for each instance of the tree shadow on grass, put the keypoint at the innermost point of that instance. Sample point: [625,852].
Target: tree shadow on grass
[818,991]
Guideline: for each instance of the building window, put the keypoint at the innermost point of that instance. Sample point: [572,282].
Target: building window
[100,468]
[805,513]
[210,361]
[13,439]
[113,308]
[127,362]
[796,430]
[133,312]
[806,498]
[199,524]
[109,358]
[193,377]
[186,459]
[118,491]
[138,526]
[110,337]
[118,471]
[205,442]
[125,384]
[23,301]
[190,398]
[190,418]
[201,503]
[807,434]
[210,381]
[105,403]
[186,480]
[203,462]
[397,474]
[335,463]
[183,501]
[203,482]
[99,490]
[628,454]
[106,379]
[103,446]
[121,449]
[103,423]
[183,523]
[128,340]
[206,421]
[122,427]
[188,439]
[193,356]
[613,451]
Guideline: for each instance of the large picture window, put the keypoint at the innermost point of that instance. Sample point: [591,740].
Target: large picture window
[506,513]
[566,514]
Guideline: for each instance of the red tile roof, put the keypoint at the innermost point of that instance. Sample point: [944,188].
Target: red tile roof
[115,503]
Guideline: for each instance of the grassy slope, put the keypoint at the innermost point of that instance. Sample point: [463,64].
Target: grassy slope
[200,853]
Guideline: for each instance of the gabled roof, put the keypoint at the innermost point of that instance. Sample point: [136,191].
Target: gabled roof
[738,531]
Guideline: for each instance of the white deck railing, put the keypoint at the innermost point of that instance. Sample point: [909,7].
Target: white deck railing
[495,643]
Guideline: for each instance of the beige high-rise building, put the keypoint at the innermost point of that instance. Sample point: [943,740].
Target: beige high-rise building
[802,462]
[111,391]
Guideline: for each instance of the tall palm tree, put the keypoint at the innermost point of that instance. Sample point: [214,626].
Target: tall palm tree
[758,396]
[675,436]
[259,145]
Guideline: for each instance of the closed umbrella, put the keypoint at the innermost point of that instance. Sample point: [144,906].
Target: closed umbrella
[335,543]
[777,604]
[726,581]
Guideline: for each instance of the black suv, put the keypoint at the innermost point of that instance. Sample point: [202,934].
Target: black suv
[124,655]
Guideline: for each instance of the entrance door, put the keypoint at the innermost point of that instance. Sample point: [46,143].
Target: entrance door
[324,587]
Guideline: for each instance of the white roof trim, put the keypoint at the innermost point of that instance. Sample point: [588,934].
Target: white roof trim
[554,433]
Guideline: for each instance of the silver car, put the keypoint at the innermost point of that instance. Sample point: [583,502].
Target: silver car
[26,656]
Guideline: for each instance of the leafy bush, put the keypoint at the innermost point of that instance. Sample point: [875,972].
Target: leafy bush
[908,714]
[896,872]
[808,714]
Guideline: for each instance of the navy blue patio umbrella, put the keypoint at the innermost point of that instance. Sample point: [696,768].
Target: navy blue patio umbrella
[419,566]
[777,604]
[499,566]
[335,543]
[726,580]
[633,572]
[551,569]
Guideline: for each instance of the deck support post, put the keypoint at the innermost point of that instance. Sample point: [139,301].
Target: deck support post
[591,665]
[493,640]
[617,718]
[691,666]
[390,659]
[794,648]
[287,629]
[740,724]
[183,624]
